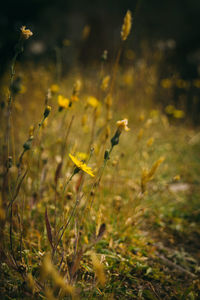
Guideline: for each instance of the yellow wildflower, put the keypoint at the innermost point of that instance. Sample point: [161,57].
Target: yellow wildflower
[82,155]
[63,102]
[123,125]
[54,88]
[178,114]
[126,27]
[80,165]
[166,83]
[169,109]
[92,101]
[25,33]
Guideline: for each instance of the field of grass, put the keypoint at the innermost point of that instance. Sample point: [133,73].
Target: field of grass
[99,185]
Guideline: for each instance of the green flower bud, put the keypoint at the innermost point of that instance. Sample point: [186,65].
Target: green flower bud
[115,139]
[47,111]
[106,155]
[28,143]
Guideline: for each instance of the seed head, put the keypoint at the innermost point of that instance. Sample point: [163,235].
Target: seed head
[126,27]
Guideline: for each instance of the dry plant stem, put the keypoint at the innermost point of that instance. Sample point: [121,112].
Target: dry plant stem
[11,215]
[62,157]
[20,228]
[58,63]
[66,137]
[11,240]
[67,182]
[93,129]
[13,141]
[96,184]
[63,228]
[19,49]
[115,67]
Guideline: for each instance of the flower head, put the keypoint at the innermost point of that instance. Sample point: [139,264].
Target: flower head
[80,165]
[54,88]
[82,155]
[122,125]
[25,33]
[63,102]
[92,101]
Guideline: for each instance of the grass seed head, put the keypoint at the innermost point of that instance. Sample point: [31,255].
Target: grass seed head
[126,27]
[99,270]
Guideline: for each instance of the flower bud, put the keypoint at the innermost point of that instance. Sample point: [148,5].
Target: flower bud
[47,111]
[106,155]
[28,143]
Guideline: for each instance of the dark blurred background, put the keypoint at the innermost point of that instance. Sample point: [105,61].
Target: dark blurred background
[88,27]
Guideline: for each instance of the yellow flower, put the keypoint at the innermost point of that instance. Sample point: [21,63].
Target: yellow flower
[166,83]
[54,88]
[92,101]
[169,109]
[123,125]
[178,114]
[25,33]
[126,27]
[80,165]
[63,102]
[82,155]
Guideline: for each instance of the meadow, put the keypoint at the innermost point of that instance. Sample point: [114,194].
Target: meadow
[99,182]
